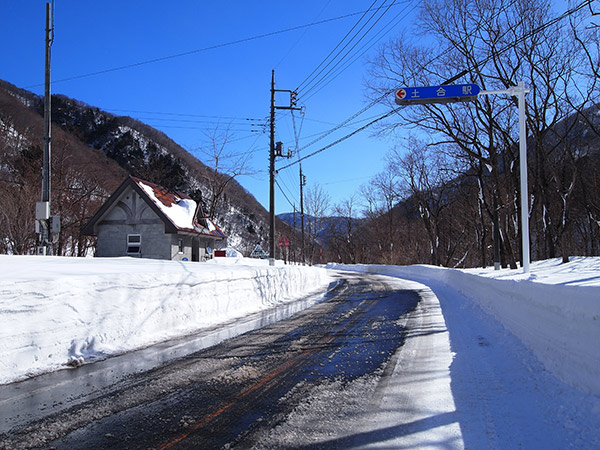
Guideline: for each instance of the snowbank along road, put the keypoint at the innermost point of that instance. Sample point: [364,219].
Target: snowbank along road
[302,382]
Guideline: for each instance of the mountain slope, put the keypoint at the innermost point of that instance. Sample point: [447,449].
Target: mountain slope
[133,148]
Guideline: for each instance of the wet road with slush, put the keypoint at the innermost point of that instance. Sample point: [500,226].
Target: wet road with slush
[234,394]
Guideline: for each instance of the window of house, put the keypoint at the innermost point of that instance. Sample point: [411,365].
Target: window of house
[180,245]
[134,244]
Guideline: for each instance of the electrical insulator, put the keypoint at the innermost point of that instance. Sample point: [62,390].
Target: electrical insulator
[293,98]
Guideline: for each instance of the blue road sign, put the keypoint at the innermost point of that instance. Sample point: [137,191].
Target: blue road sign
[437,94]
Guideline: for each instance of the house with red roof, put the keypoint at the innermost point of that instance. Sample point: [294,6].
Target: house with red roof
[145,220]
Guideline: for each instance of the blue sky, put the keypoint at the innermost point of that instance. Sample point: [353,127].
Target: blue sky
[213,85]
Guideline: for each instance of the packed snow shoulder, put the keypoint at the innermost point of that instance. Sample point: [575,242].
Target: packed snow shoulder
[554,310]
[58,312]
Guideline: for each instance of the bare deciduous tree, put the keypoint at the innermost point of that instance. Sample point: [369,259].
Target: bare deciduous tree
[381,195]
[495,45]
[426,176]
[224,165]
[316,203]
[343,232]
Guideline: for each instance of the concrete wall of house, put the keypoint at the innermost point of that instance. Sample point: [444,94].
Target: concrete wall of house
[186,251]
[201,254]
[206,248]
[132,215]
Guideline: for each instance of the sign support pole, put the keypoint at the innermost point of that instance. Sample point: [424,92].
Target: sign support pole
[520,91]
[468,92]
[523,169]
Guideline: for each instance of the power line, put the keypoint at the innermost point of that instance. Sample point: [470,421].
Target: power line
[286,197]
[384,30]
[365,48]
[251,149]
[183,127]
[540,28]
[348,125]
[345,122]
[297,131]
[162,113]
[180,121]
[302,36]
[346,181]
[341,139]
[512,45]
[334,49]
[293,192]
[324,77]
[207,122]
[201,50]
[536,30]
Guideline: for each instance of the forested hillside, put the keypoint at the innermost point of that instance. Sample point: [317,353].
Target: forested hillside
[450,192]
[430,207]
[92,152]
[438,205]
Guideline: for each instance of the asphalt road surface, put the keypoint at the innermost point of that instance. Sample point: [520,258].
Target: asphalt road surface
[252,391]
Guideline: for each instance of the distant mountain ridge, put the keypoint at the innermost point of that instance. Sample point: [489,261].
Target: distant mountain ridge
[323,228]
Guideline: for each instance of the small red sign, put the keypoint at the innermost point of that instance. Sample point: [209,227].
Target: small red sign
[283,242]
[400,94]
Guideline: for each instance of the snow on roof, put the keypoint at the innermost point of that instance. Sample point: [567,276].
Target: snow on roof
[209,227]
[179,208]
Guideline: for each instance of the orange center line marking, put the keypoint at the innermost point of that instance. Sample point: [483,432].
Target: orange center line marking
[266,379]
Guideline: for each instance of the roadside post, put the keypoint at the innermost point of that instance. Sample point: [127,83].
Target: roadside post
[284,244]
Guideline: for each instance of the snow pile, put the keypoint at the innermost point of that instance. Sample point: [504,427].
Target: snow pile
[231,252]
[56,311]
[554,310]
[181,213]
[580,271]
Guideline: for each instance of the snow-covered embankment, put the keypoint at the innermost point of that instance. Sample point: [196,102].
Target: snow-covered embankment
[558,321]
[55,311]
